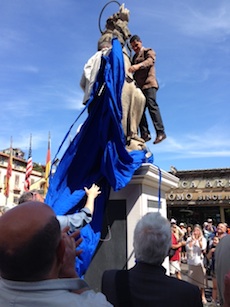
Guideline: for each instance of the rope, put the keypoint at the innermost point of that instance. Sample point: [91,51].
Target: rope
[159,188]
[109,231]
[68,132]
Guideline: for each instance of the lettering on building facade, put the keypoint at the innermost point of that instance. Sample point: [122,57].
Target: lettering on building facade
[190,196]
[215,183]
[214,190]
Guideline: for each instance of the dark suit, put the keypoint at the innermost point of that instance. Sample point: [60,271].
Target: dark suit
[149,286]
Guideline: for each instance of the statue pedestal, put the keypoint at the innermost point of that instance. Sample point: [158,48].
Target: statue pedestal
[125,208]
[142,196]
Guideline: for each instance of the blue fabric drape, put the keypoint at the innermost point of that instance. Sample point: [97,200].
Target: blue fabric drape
[97,154]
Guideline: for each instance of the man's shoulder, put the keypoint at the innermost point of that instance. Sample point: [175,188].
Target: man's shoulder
[184,286]
[146,50]
[183,291]
[222,246]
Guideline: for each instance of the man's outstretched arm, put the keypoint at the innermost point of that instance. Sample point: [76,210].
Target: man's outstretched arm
[84,216]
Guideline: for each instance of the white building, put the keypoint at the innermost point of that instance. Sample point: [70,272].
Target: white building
[16,184]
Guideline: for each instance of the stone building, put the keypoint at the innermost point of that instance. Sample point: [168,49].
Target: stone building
[201,194]
[17,178]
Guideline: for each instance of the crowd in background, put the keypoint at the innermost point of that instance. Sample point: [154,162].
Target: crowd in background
[195,245]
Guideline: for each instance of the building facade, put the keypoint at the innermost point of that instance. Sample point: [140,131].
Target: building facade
[201,194]
[17,178]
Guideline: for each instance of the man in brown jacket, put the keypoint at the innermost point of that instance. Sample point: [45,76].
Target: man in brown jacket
[144,73]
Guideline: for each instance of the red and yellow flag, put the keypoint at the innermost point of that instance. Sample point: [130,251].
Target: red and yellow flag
[48,165]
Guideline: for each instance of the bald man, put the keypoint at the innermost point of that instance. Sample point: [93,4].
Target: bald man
[37,261]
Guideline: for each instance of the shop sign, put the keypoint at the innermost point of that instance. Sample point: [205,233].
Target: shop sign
[197,196]
[215,183]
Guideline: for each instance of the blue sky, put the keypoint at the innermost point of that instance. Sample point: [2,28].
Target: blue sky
[45,44]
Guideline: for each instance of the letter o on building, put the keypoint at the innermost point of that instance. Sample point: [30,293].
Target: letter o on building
[188,196]
[171,196]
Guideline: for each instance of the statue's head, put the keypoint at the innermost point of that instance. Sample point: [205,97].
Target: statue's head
[105,41]
[117,26]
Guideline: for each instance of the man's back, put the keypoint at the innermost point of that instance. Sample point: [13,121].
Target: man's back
[150,286]
[48,293]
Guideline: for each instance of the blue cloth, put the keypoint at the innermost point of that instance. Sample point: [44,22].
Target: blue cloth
[97,154]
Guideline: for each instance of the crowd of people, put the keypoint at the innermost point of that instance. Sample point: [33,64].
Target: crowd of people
[196,246]
[38,254]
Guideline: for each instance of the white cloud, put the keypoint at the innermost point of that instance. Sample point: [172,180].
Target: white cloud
[29,69]
[74,102]
[216,22]
[211,143]
[201,20]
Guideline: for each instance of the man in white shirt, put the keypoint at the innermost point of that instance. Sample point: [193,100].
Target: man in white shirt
[91,69]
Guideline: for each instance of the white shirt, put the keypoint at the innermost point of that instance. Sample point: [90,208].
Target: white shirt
[195,253]
[75,221]
[90,71]
[49,293]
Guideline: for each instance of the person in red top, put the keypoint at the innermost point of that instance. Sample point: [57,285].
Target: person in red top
[174,261]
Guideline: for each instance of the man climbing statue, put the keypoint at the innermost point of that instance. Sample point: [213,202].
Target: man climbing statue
[144,73]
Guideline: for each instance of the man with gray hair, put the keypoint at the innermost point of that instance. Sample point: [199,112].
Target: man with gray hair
[146,284]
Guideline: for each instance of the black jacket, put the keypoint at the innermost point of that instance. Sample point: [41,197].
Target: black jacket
[148,285]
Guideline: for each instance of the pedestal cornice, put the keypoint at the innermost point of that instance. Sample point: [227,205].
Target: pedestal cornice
[149,174]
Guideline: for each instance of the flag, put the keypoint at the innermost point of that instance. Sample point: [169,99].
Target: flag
[8,174]
[29,168]
[48,164]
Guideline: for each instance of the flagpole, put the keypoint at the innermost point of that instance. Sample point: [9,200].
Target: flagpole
[29,167]
[8,172]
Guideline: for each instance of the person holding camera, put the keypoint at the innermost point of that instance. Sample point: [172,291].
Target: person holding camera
[195,248]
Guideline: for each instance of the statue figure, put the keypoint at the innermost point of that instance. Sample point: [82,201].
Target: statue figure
[133,100]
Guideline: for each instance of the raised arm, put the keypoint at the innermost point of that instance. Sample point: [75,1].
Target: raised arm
[84,216]
[91,193]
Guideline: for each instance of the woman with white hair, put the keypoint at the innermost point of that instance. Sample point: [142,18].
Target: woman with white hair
[195,247]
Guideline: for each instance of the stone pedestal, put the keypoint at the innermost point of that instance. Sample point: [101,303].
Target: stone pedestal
[125,208]
[142,196]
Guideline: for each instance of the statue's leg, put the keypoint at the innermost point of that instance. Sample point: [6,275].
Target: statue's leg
[137,106]
[125,110]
